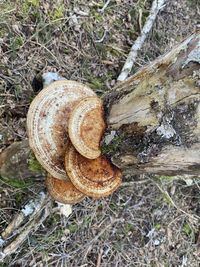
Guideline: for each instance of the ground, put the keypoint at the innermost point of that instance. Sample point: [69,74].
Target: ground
[151,221]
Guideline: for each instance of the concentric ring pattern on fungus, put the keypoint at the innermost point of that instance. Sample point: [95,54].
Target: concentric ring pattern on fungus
[63,191]
[86,127]
[94,177]
[47,123]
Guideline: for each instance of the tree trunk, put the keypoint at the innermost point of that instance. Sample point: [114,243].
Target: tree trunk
[153,117]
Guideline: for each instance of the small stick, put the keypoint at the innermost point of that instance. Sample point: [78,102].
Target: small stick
[29,209]
[105,6]
[38,217]
[99,258]
[155,8]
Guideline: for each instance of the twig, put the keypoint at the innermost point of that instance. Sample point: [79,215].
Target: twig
[45,48]
[103,37]
[7,95]
[36,212]
[90,243]
[8,11]
[29,210]
[99,258]
[134,182]
[166,194]
[155,8]
[105,6]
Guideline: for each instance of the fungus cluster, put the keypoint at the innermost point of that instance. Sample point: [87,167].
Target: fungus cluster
[65,124]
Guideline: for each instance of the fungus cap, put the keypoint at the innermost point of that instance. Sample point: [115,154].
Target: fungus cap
[94,177]
[47,122]
[63,191]
[86,127]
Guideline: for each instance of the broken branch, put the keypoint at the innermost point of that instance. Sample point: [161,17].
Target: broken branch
[31,217]
[156,7]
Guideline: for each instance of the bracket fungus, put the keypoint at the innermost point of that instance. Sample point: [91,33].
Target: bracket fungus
[93,177]
[65,124]
[47,121]
[86,127]
[63,191]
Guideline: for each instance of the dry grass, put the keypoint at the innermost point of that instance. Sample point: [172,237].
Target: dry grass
[139,225]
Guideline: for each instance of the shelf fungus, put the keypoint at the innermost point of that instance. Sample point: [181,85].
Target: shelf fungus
[86,127]
[47,123]
[93,177]
[63,191]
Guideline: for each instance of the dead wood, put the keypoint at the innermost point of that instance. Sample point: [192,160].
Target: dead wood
[153,117]
[27,221]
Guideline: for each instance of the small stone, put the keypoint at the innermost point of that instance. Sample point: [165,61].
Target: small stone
[156,242]
[15,162]
[65,209]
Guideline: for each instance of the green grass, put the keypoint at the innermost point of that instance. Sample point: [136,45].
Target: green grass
[96,83]
[188,231]
[16,183]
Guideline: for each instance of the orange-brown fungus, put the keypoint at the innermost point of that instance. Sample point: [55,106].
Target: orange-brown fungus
[63,191]
[94,177]
[86,127]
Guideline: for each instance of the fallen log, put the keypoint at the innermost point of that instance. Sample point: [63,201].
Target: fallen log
[153,117]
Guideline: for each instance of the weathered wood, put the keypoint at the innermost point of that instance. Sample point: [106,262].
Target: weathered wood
[27,221]
[153,117]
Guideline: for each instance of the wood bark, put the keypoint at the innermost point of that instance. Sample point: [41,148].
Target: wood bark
[153,117]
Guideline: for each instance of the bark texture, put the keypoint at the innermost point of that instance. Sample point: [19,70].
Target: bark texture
[153,117]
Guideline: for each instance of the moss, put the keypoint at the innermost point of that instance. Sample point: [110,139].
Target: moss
[118,23]
[113,146]
[27,4]
[33,164]
[132,34]
[25,7]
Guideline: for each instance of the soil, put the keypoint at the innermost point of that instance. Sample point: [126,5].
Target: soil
[151,221]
